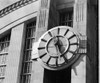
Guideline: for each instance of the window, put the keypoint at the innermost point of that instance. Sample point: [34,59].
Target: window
[27,63]
[66,18]
[4,44]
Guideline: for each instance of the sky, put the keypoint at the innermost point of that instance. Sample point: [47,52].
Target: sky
[5,3]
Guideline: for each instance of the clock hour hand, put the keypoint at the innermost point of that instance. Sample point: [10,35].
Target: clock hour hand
[59,44]
[57,48]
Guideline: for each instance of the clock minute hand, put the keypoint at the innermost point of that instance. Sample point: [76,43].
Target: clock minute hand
[57,46]
[58,52]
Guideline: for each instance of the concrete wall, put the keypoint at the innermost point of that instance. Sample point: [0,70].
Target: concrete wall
[14,57]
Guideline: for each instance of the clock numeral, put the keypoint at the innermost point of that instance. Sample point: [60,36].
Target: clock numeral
[66,32]
[66,60]
[57,61]
[40,48]
[74,44]
[43,40]
[72,52]
[58,30]
[50,33]
[43,55]
[48,61]
[71,37]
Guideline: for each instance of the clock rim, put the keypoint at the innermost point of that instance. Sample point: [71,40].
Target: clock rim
[76,56]
[60,67]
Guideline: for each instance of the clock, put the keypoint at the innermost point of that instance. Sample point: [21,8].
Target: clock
[58,48]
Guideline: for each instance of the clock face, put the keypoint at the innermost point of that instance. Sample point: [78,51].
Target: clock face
[58,48]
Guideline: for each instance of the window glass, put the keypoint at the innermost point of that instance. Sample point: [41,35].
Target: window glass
[4,44]
[27,63]
[66,18]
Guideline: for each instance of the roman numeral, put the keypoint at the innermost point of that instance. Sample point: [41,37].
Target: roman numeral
[74,44]
[71,37]
[66,32]
[40,48]
[50,33]
[43,40]
[72,52]
[43,55]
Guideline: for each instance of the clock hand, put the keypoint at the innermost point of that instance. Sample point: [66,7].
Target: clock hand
[57,46]
[58,52]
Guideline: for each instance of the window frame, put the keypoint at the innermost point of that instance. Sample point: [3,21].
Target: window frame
[27,73]
[65,11]
[4,41]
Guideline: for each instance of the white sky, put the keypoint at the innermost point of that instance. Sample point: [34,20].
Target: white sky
[5,3]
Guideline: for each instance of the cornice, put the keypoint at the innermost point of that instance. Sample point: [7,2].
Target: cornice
[14,7]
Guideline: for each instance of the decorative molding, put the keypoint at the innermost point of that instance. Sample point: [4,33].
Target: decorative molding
[43,14]
[44,3]
[80,16]
[14,7]
[42,18]
[79,12]
[80,8]
[83,44]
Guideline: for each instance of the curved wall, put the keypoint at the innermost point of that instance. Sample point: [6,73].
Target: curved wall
[18,16]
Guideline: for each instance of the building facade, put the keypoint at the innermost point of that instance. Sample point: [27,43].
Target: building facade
[21,25]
